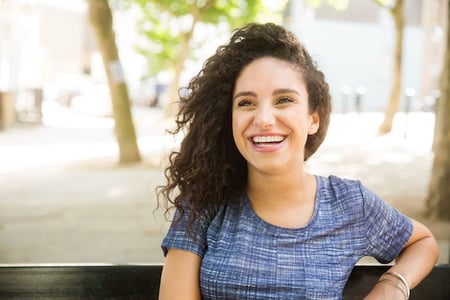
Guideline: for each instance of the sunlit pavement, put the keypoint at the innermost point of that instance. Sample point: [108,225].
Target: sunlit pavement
[66,136]
[64,199]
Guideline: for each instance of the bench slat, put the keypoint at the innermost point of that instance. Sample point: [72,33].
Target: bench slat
[142,282]
[435,286]
[80,282]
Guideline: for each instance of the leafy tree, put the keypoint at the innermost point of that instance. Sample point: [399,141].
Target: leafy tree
[101,20]
[168,27]
[438,202]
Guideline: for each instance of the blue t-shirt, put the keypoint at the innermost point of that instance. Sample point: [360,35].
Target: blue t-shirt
[244,257]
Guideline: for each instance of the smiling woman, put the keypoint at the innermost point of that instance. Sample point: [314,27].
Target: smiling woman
[250,222]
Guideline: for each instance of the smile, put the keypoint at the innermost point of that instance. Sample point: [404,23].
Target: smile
[270,139]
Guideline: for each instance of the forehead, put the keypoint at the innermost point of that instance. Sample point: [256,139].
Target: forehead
[269,72]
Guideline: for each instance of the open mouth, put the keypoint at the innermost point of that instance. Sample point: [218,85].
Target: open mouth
[268,140]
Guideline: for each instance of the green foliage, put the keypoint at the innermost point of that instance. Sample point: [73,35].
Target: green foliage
[164,25]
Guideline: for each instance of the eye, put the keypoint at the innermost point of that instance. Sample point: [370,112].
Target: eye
[284,100]
[244,102]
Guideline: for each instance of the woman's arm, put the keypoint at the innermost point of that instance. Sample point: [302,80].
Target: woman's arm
[180,276]
[416,260]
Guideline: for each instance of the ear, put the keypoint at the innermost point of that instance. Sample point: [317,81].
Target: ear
[314,123]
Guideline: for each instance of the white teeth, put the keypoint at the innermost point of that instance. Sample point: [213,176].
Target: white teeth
[268,139]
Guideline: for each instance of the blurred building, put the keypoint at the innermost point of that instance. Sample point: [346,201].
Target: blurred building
[354,47]
[42,42]
[48,52]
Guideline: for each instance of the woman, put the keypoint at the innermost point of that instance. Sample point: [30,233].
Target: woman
[250,223]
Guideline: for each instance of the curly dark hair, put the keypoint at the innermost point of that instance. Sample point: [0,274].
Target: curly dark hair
[208,170]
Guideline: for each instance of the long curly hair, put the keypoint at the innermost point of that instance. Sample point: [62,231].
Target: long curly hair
[208,170]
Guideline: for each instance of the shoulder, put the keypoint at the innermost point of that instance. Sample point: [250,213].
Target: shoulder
[341,203]
[340,188]
[340,195]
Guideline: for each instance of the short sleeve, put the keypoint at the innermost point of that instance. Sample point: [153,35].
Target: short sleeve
[387,230]
[179,236]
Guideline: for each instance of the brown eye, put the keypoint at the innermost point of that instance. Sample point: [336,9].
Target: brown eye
[284,100]
[244,102]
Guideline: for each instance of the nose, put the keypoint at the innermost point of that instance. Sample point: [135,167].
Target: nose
[265,117]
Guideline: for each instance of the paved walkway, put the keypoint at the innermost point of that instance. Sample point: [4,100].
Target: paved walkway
[63,198]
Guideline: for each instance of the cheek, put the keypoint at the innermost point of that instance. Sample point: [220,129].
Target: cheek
[235,129]
[239,124]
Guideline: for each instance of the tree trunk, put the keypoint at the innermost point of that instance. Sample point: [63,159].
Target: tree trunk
[100,17]
[173,107]
[438,202]
[394,99]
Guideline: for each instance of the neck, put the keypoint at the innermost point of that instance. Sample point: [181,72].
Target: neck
[285,200]
[294,187]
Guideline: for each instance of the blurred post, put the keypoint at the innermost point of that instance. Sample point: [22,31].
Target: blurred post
[38,99]
[436,95]
[7,111]
[360,92]
[345,95]
[409,97]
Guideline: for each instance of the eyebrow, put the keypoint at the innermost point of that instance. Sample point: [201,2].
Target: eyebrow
[284,91]
[240,94]
[275,92]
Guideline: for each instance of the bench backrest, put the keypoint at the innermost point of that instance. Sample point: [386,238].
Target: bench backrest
[142,282]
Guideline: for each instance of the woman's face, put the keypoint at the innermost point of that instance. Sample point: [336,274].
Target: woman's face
[271,119]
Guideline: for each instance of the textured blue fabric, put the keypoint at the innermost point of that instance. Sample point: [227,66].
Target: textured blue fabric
[244,257]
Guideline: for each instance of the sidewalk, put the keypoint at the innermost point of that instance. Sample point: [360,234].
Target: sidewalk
[63,198]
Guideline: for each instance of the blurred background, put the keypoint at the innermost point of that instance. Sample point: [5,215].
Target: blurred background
[88,91]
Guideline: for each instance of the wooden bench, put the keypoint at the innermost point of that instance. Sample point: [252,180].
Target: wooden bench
[142,282]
